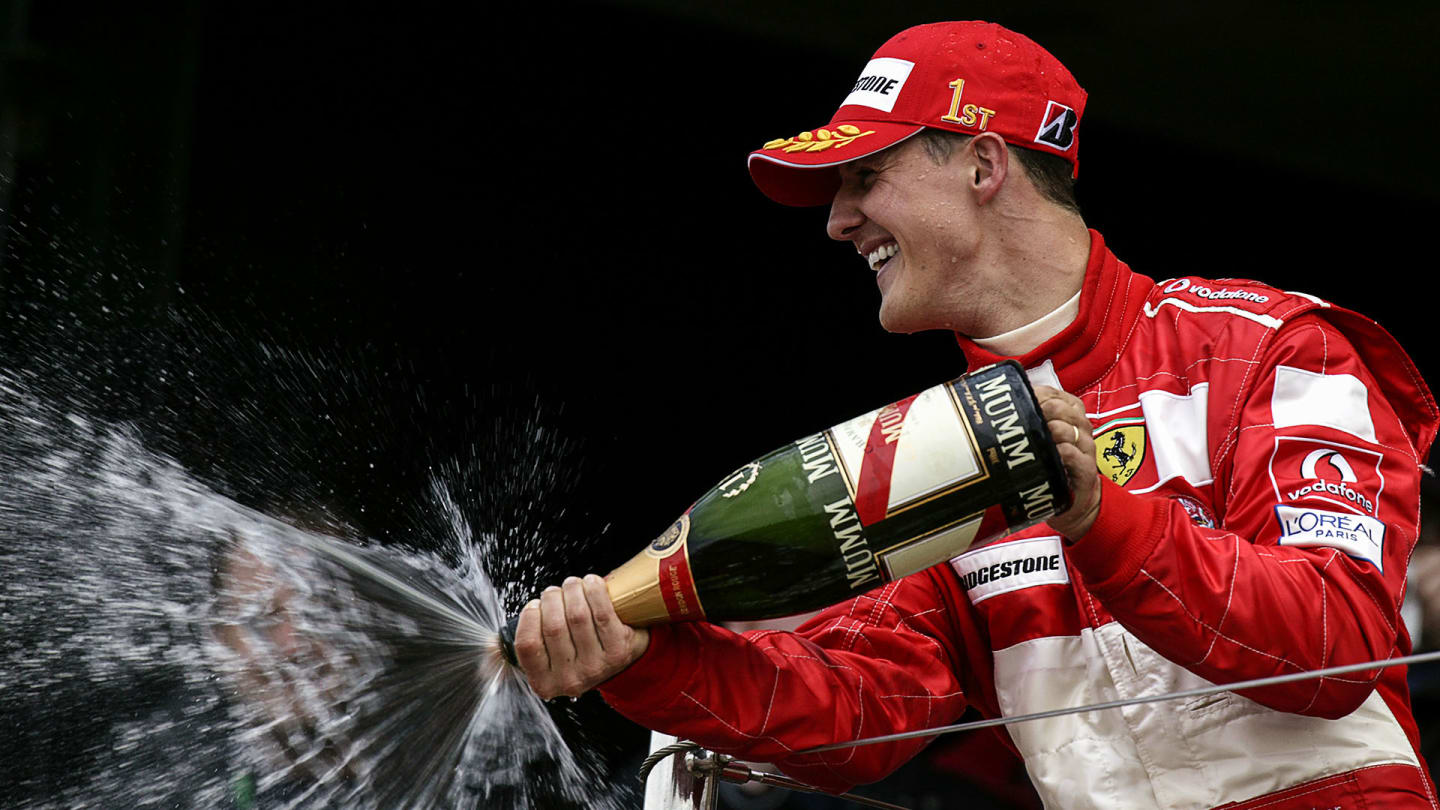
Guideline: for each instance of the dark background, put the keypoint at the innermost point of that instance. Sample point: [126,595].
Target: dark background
[320,249]
[553,200]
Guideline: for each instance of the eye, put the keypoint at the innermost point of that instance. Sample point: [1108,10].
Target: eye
[859,177]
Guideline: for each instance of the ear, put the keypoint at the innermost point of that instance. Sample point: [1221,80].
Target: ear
[991,166]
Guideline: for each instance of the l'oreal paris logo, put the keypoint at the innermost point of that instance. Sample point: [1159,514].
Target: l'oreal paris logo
[1222,294]
[1359,536]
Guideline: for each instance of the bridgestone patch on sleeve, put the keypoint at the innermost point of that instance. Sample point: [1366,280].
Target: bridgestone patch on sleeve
[1007,567]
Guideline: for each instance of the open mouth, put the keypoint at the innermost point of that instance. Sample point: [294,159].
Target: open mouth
[881,256]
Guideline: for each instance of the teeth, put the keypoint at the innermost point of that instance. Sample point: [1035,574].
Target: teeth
[882,253]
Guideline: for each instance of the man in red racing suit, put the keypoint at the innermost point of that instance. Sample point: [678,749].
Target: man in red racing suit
[1261,526]
[1246,464]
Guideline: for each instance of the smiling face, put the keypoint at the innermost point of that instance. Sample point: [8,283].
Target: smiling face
[915,221]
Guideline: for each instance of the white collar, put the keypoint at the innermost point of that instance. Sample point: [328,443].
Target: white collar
[1018,341]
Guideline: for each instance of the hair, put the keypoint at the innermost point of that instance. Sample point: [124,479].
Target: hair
[1050,174]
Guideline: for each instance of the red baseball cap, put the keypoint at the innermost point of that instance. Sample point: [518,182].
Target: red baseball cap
[966,77]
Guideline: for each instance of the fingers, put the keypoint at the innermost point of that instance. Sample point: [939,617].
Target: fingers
[609,631]
[530,652]
[1071,430]
[570,640]
[556,641]
[554,630]
[579,616]
[622,643]
[1065,416]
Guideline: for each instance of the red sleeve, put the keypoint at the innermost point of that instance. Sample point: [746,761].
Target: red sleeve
[1317,489]
[882,663]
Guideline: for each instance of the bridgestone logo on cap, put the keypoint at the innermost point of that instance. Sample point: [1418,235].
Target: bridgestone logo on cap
[1058,129]
[880,83]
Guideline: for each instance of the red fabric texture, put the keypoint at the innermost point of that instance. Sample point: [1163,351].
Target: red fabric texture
[1228,602]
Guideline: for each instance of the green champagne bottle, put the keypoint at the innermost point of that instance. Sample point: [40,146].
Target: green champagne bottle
[843,511]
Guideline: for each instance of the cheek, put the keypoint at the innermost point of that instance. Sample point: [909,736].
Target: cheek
[941,217]
[950,234]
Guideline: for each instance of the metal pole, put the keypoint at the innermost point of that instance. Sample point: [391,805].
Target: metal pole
[1117,704]
[672,784]
[688,772]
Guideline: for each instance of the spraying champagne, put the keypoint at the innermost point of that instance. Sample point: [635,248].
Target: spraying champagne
[843,511]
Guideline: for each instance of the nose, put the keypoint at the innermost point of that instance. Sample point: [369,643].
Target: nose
[845,216]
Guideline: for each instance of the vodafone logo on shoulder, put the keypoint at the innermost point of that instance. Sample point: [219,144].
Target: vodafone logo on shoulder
[1327,474]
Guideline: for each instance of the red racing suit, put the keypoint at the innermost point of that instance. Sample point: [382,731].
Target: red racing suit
[1261,454]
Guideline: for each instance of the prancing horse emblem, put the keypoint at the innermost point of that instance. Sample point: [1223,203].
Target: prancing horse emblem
[1120,448]
[1116,451]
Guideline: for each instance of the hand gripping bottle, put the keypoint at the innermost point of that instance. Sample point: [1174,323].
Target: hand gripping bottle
[840,512]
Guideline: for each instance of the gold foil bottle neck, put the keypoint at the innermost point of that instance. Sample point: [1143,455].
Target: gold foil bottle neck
[635,586]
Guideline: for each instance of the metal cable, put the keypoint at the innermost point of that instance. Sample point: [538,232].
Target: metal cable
[726,769]
[782,781]
[661,753]
[1116,704]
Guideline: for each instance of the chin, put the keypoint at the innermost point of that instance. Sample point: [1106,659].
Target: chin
[906,323]
[900,326]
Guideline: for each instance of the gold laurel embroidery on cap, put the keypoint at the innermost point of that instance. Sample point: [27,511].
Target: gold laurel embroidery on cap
[819,140]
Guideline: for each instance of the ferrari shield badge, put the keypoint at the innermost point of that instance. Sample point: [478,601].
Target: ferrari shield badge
[1120,448]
